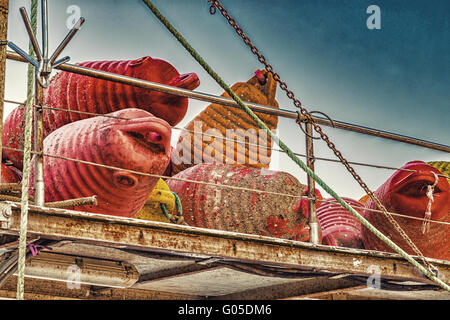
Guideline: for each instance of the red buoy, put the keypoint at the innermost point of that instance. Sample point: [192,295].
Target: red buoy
[141,143]
[340,227]
[10,174]
[240,209]
[76,92]
[405,192]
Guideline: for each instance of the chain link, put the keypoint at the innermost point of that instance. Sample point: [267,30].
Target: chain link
[303,112]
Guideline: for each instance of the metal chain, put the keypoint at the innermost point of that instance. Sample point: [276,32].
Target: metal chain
[303,112]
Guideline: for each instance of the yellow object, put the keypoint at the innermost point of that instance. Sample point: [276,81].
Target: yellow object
[152,209]
[364,199]
[442,166]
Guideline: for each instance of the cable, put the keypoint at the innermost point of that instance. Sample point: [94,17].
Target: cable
[161,176]
[220,185]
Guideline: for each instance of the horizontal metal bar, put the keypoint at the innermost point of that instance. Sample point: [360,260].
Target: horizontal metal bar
[40,289]
[231,103]
[161,87]
[60,267]
[383,134]
[103,230]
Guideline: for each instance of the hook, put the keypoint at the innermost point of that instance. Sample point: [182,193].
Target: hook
[305,120]
[331,120]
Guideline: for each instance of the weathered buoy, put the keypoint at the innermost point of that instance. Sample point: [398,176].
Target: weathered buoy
[240,209]
[76,92]
[227,135]
[405,192]
[140,142]
[10,174]
[340,227]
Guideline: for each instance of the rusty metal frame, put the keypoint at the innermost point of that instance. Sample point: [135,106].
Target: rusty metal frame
[206,244]
[199,243]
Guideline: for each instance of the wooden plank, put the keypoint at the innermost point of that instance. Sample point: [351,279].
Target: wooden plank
[204,243]
[376,294]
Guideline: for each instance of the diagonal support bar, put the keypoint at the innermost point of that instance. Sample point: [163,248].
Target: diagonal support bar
[34,43]
[65,41]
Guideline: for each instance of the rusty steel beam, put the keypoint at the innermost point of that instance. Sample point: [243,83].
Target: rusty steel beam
[57,224]
[287,290]
[231,103]
[81,270]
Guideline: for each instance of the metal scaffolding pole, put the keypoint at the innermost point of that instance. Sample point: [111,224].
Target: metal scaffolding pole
[312,214]
[3,41]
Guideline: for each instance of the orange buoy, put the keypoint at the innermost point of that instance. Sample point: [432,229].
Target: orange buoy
[227,135]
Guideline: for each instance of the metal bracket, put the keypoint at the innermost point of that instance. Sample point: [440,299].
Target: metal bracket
[5,215]
[43,64]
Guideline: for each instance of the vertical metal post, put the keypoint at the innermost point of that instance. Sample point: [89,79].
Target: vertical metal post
[3,41]
[312,215]
[44,26]
[39,188]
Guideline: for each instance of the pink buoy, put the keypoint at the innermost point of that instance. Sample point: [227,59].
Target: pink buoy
[76,92]
[128,144]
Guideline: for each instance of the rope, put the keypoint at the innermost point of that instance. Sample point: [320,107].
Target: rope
[161,176]
[430,191]
[227,139]
[178,218]
[26,163]
[218,185]
[291,155]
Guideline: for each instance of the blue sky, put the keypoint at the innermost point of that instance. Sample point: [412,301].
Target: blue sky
[395,79]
